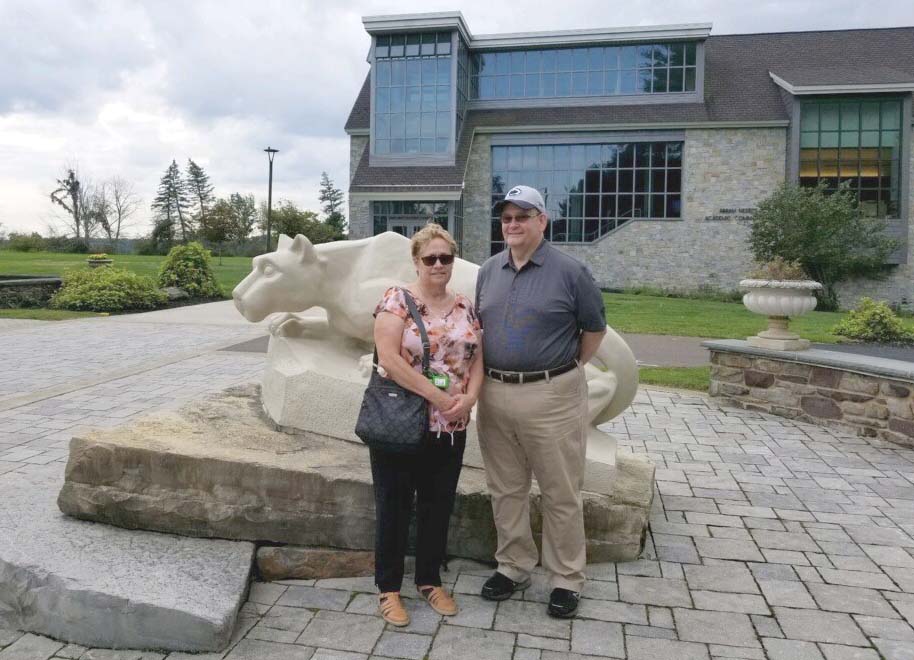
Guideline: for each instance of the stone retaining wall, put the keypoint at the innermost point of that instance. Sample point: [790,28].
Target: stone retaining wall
[867,404]
[27,292]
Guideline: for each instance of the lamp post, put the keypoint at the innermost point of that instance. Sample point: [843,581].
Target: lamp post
[270,153]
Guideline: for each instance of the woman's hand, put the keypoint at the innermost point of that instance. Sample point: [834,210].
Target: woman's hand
[443,401]
[463,404]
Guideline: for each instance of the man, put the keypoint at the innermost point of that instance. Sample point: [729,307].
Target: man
[543,319]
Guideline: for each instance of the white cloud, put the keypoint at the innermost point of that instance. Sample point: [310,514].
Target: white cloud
[124,87]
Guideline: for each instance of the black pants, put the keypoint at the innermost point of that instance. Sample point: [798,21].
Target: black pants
[430,477]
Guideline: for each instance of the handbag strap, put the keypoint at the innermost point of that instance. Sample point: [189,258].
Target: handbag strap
[417,318]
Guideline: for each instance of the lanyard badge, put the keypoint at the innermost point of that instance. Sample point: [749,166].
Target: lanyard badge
[441,381]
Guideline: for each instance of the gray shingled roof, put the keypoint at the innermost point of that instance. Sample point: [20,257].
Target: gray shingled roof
[360,115]
[872,75]
[737,84]
[738,88]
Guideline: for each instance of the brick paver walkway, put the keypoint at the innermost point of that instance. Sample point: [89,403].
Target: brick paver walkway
[769,539]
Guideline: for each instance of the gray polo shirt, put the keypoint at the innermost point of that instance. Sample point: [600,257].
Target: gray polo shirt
[532,318]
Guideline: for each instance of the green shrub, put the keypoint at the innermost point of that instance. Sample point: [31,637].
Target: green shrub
[874,321]
[26,242]
[188,267]
[107,290]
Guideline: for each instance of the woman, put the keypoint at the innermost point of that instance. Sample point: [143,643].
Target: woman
[431,474]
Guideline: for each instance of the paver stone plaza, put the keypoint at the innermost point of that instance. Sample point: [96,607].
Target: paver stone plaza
[768,538]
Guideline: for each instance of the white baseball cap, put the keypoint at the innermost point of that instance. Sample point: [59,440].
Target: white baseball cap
[523,196]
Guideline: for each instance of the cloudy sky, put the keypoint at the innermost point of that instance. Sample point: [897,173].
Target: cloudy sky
[122,88]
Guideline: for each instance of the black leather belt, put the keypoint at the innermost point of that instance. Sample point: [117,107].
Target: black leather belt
[521,377]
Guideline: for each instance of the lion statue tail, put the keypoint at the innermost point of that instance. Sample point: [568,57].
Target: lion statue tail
[612,379]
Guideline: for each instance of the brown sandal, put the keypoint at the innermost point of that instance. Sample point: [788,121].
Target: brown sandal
[392,609]
[440,600]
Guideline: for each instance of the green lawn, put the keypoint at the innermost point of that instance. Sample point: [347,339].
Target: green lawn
[625,312]
[657,315]
[45,314]
[683,378]
[232,270]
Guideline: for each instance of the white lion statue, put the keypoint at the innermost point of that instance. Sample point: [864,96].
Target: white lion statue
[348,278]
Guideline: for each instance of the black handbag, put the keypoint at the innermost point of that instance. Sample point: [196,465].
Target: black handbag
[392,418]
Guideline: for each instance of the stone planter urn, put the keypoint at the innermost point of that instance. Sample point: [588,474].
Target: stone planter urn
[95,263]
[779,300]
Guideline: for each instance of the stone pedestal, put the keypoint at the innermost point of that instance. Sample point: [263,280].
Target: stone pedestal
[777,337]
[217,468]
[797,344]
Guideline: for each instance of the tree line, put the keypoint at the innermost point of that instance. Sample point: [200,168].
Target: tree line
[185,208]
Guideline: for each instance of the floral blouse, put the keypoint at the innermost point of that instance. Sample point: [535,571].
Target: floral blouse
[454,339]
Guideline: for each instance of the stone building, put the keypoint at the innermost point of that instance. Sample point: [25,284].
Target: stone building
[652,145]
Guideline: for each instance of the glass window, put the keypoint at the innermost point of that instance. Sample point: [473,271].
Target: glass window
[412,76]
[592,189]
[853,144]
[407,217]
[412,45]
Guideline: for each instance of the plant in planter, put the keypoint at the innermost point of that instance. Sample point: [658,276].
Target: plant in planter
[99,259]
[779,289]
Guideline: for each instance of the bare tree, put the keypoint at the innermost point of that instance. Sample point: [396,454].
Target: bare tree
[70,195]
[124,203]
[100,209]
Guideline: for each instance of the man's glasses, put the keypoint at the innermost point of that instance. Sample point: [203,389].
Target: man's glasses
[445,259]
[519,219]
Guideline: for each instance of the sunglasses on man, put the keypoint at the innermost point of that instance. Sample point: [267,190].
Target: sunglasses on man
[430,259]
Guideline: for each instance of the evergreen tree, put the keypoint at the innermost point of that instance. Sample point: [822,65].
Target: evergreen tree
[331,199]
[201,190]
[171,205]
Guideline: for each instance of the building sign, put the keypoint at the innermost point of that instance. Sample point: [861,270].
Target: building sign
[734,214]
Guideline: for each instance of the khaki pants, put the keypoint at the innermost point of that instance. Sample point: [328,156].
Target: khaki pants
[540,429]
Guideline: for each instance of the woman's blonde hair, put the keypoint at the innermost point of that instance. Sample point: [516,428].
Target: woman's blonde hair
[427,234]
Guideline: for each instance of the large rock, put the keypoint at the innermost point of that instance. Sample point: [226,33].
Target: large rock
[217,468]
[102,586]
[281,562]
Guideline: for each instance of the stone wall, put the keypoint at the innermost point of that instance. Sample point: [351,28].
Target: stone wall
[722,169]
[35,292]
[360,210]
[866,404]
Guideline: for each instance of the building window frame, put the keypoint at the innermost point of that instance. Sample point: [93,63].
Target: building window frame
[850,137]
[383,212]
[635,98]
[400,159]
[591,226]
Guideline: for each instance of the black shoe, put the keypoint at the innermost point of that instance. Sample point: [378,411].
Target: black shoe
[563,603]
[500,587]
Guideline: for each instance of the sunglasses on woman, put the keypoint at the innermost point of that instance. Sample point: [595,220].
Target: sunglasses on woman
[430,259]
